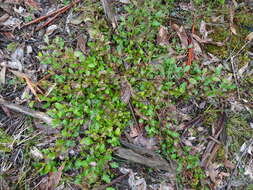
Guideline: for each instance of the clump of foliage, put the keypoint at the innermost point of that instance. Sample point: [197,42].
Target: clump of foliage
[86,104]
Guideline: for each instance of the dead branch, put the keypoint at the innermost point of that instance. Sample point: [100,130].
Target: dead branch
[18,108]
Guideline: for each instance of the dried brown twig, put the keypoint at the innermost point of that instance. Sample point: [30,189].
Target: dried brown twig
[55,14]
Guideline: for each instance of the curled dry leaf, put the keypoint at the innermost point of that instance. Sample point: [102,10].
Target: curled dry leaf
[182,35]
[163,36]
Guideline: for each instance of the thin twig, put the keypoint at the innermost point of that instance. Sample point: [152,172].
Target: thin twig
[50,20]
[235,55]
[18,108]
[132,112]
[235,77]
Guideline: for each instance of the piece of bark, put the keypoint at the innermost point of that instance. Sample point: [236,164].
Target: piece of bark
[145,157]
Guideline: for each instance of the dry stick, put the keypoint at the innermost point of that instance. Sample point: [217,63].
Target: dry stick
[61,10]
[231,58]
[18,108]
[50,20]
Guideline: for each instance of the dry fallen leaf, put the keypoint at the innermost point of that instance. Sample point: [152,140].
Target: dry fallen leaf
[148,143]
[203,31]
[196,47]
[207,41]
[33,87]
[125,92]
[137,184]
[36,153]
[213,172]
[50,30]
[166,186]
[51,181]
[135,131]
[163,36]
[12,1]
[4,17]
[12,22]
[209,59]
[182,35]
[231,21]
[81,43]
[229,164]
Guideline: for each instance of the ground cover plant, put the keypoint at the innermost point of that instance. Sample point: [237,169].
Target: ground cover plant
[144,74]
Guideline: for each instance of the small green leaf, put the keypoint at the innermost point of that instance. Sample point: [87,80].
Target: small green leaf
[114,165]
